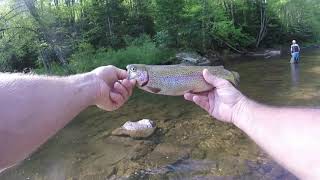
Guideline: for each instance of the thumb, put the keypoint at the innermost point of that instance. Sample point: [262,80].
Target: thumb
[214,80]
[122,74]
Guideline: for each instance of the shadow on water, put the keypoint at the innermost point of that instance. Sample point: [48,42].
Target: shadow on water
[188,143]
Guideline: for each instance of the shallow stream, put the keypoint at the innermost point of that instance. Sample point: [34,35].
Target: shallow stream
[188,143]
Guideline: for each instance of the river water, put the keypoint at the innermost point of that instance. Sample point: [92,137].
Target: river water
[188,143]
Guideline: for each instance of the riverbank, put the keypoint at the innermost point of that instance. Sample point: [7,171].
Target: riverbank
[87,58]
[266,53]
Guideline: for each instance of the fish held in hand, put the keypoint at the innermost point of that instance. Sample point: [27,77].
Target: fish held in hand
[176,80]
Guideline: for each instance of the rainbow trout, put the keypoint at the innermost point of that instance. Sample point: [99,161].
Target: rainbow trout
[175,80]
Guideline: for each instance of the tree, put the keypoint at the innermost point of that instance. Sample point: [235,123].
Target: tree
[262,6]
[53,30]
[169,19]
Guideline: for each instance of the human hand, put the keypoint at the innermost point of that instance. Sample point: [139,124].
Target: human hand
[113,89]
[224,102]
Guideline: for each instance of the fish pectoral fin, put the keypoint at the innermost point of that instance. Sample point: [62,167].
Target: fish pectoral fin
[153,89]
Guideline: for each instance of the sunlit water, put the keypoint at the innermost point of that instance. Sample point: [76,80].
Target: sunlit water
[188,143]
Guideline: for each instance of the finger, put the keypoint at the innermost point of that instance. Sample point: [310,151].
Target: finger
[202,102]
[122,74]
[119,88]
[202,93]
[133,82]
[128,85]
[116,98]
[214,80]
[189,96]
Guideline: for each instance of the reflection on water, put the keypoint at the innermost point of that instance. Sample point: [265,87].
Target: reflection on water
[188,143]
[295,73]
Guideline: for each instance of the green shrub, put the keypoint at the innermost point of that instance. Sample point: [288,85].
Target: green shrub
[137,41]
[162,39]
[226,31]
[56,69]
[137,53]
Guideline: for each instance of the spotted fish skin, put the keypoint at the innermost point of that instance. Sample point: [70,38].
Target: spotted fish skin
[176,80]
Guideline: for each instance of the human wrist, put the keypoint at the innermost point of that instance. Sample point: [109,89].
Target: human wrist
[243,112]
[87,86]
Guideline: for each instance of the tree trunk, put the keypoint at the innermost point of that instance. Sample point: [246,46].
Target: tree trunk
[45,33]
[109,27]
[45,60]
[263,22]
[203,25]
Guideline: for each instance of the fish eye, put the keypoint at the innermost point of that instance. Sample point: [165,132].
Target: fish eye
[134,69]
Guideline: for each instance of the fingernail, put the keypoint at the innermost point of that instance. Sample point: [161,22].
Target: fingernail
[194,98]
[116,84]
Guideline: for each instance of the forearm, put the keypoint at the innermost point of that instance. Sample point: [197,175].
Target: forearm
[289,135]
[33,108]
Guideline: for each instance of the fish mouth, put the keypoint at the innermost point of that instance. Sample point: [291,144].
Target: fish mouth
[127,67]
[128,72]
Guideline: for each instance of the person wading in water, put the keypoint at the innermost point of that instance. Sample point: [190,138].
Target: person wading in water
[295,52]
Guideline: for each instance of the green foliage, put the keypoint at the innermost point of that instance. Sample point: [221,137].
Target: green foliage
[139,41]
[17,52]
[225,30]
[86,59]
[56,69]
[298,19]
[169,18]
[162,39]
[84,34]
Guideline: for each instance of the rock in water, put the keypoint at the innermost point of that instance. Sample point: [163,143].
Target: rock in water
[191,58]
[140,129]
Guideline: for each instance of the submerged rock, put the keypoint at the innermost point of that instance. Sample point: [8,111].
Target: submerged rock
[166,154]
[133,149]
[140,129]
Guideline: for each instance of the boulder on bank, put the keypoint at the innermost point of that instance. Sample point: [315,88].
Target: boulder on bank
[192,58]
